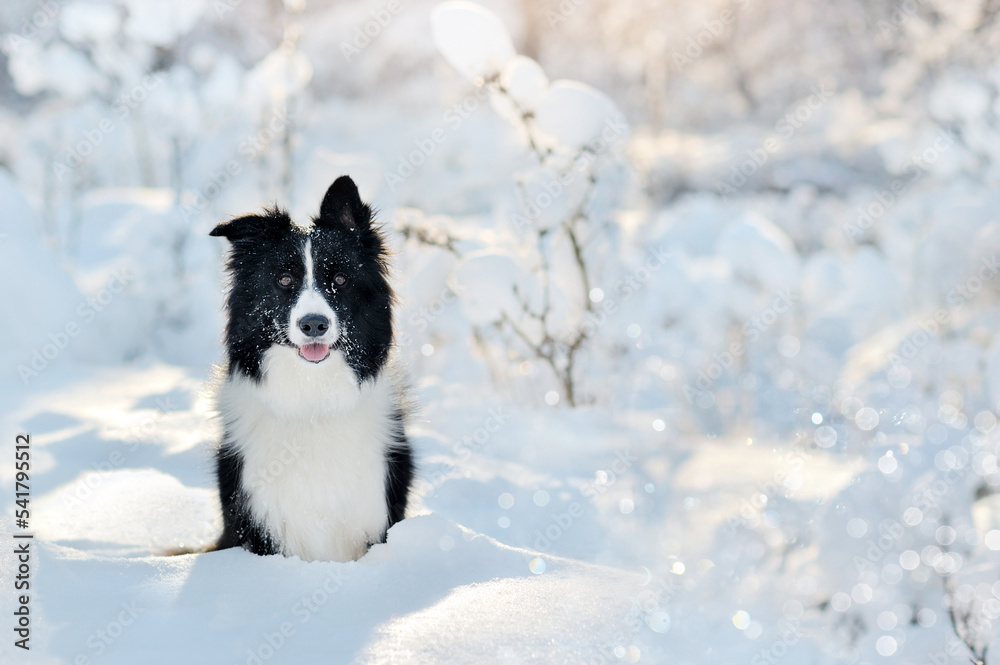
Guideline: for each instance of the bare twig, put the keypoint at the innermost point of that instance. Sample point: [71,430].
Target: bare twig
[558,351]
[963,621]
[432,237]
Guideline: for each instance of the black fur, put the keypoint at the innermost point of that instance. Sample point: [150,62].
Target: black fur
[399,474]
[268,245]
[239,528]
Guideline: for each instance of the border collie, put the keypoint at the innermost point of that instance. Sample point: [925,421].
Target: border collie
[314,461]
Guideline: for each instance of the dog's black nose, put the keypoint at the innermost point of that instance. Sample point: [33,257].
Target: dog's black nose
[314,325]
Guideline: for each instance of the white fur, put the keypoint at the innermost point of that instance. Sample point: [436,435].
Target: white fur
[311,301]
[314,447]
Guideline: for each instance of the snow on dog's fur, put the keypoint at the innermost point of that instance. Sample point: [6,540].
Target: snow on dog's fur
[314,461]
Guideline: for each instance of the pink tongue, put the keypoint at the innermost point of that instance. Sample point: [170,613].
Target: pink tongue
[314,352]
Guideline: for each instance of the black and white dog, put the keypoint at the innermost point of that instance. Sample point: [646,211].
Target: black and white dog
[314,461]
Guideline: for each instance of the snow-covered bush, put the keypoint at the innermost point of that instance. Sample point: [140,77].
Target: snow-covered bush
[531,296]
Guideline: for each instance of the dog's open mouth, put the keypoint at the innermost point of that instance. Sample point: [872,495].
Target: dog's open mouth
[314,353]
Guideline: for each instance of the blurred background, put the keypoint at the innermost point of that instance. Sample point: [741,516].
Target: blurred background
[775,285]
[169,116]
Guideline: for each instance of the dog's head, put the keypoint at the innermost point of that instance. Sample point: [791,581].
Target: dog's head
[319,291]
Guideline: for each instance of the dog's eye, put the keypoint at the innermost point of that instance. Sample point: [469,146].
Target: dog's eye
[286,281]
[339,279]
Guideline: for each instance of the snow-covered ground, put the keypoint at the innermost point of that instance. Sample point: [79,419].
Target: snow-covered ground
[784,255]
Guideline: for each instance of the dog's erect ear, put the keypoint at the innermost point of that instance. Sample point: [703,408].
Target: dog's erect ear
[236,229]
[342,206]
[253,226]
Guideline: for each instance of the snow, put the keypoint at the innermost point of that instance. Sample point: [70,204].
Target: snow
[758,250]
[140,485]
[785,442]
[489,282]
[525,81]
[281,75]
[409,600]
[60,68]
[160,22]
[575,115]
[471,39]
[521,86]
[88,21]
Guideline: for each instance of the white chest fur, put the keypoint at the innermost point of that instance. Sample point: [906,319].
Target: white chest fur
[314,447]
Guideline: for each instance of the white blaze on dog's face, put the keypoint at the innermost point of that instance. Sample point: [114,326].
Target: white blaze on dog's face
[312,326]
[308,302]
